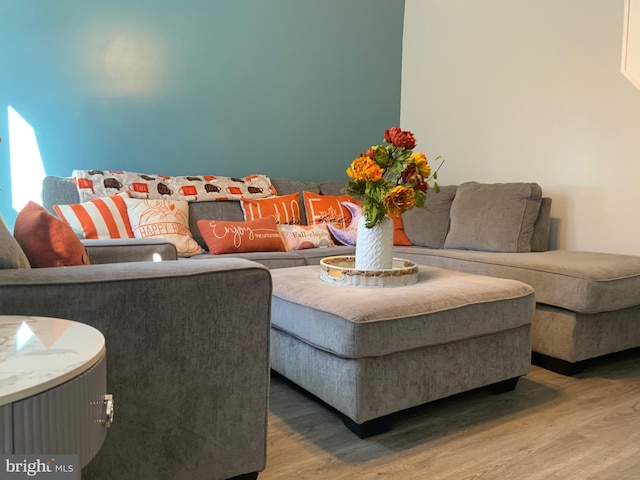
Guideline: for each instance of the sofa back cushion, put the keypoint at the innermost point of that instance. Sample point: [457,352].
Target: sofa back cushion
[58,191]
[11,254]
[498,217]
[335,187]
[228,211]
[428,226]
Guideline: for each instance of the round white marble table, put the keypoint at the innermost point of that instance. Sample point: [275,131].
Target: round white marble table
[53,397]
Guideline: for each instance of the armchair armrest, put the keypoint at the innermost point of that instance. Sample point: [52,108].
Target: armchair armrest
[187,359]
[130,250]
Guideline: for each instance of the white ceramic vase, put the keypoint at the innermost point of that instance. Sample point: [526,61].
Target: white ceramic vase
[374,246]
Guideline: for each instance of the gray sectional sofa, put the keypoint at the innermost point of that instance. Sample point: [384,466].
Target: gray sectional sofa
[588,303]
[188,348]
[187,356]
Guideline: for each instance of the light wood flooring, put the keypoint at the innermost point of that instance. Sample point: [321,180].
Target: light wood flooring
[550,427]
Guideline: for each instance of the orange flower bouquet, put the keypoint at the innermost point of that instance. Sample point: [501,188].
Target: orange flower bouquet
[391,179]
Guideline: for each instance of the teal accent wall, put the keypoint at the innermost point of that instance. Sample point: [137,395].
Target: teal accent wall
[288,88]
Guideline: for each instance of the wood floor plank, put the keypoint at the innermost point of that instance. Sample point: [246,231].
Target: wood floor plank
[551,427]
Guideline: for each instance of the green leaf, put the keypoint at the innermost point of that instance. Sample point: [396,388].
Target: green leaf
[404,155]
[381,155]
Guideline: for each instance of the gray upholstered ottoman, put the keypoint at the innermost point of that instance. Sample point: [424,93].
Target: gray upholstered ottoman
[370,352]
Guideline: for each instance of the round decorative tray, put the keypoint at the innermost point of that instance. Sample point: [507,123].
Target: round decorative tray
[342,271]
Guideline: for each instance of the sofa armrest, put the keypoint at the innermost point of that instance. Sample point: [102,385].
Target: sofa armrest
[130,250]
[187,359]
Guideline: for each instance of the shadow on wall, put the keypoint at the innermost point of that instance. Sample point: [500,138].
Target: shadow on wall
[554,233]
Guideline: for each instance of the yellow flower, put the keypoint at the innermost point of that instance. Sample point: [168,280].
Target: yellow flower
[420,161]
[364,169]
[400,199]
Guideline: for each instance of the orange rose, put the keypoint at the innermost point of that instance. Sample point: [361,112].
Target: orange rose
[365,170]
[400,199]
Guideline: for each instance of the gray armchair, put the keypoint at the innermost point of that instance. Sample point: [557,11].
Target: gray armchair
[187,358]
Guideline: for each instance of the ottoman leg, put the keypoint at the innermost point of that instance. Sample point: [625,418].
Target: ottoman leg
[246,476]
[562,367]
[368,428]
[505,385]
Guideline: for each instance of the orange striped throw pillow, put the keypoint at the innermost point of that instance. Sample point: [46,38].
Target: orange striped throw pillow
[105,217]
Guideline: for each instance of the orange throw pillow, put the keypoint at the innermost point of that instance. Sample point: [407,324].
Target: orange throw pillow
[399,236]
[285,208]
[261,235]
[46,240]
[327,208]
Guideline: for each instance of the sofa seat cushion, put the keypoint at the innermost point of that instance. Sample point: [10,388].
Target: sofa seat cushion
[441,308]
[121,250]
[271,260]
[313,256]
[585,282]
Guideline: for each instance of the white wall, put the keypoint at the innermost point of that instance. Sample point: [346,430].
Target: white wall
[530,90]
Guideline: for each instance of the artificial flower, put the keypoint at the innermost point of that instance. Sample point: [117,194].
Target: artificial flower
[400,200]
[421,163]
[391,179]
[365,169]
[400,138]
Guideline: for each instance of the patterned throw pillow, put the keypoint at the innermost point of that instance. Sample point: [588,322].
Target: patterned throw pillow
[285,208]
[46,240]
[104,183]
[168,219]
[261,235]
[100,218]
[327,208]
[300,237]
